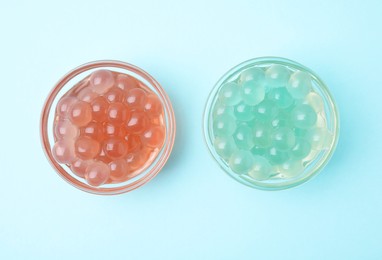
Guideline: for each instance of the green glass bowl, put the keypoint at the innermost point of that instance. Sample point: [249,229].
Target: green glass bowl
[312,164]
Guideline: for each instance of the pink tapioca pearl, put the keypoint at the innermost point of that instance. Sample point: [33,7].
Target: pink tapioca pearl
[86,148]
[64,105]
[79,166]
[133,142]
[93,130]
[117,113]
[112,130]
[64,129]
[87,95]
[97,173]
[126,82]
[135,98]
[152,105]
[137,160]
[137,123]
[63,151]
[115,147]
[118,170]
[115,95]
[99,109]
[101,81]
[80,113]
[153,137]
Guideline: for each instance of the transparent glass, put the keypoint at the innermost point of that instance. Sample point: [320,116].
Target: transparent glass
[71,79]
[330,113]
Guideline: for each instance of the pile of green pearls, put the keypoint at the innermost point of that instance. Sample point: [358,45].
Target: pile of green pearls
[269,123]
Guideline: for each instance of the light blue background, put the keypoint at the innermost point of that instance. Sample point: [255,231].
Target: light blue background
[191,210]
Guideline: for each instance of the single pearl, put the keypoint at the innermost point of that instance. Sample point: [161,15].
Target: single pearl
[153,137]
[220,108]
[79,167]
[276,156]
[291,169]
[303,116]
[115,95]
[117,113]
[243,137]
[137,123]
[93,130]
[118,170]
[135,98]
[252,92]
[265,111]
[99,109]
[134,142]
[319,138]
[229,94]
[224,125]
[301,149]
[281,120]
[283,138]
[64,129]
[137,160]
[241,162]
[97,173]
[126,82]
[261,169]
[101,81]
[257,150]
[152,105]
[261,134]
[224,147]
[86,148]
[115,148]
[280,97]
[299,85]
[252,74]
[80,113]
[64,105]
[87,95]
[112,130]
[314,100]
[244,112]
[63,151]
[277,75]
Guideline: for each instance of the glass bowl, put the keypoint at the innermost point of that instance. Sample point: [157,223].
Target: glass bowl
[271,123]
[154,161]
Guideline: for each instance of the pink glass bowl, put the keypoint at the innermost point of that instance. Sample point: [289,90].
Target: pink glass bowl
[65,84]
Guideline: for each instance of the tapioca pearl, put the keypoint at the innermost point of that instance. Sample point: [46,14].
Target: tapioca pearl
[115,94]
[277,75]
[290,169]
[113,130]
[255,74]
[303,116]
[152,105]
[224,146]
[319,138]
[244,112]
[252,92]
[275,156]
[118,170]
[299,85]
[280,97]
[257,150]
[261,169]
[87,95]
[261,134]
[314,100]
[117,113]
[80,113]
[115,148]
[79,167]
[137,160]
[301,149]
[135,98]
[101,81]
[229,94]
[64,105]
[283,138]
[153,137]
[126,82]
[86,148]
[63,151]
[99,109]
[224,125]
[137,123]
[241,161]
[158,120]
[281,120]
[243,137]
[134,142]
[64,129]
[265,111]
[97,173]
[220,109]
[93,130]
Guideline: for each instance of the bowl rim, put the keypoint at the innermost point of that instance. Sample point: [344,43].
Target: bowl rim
[275,60]
[164,153]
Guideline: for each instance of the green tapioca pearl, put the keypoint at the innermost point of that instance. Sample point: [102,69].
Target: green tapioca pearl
[283,138]
[241,162]
[299,85]
[261,169]
[277,75]
[261,134]
[319,138]
[280,97]
[314,100]
[252,74]
[291,169]
[224,125]
[301,149]
[257,150]
[281,120]
[244,112]
[303,116]
[225,146]
[252,92]
[229,94]
[243,137]
[276,156]
[265,111]
[220,109]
